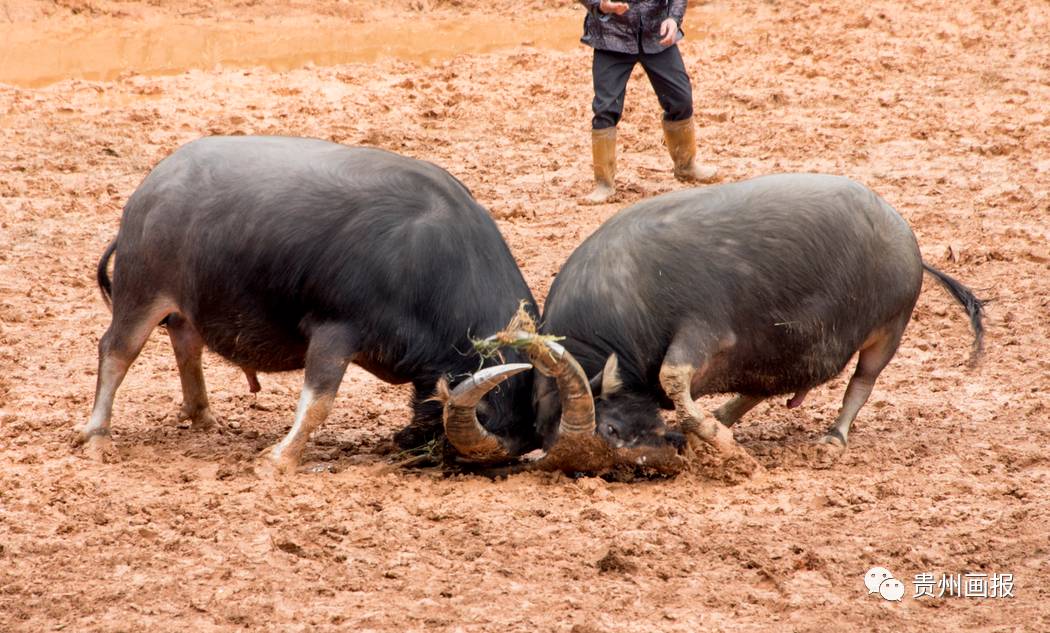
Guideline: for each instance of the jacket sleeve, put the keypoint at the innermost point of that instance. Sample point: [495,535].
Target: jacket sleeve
[592,5]
[677,10]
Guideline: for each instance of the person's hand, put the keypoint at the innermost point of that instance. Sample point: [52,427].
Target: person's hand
[608,6]
[668,29]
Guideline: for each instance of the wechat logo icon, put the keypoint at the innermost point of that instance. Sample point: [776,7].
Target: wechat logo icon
[881,581]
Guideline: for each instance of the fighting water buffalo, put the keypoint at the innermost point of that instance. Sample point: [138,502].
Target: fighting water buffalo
[285,253]
[757,288]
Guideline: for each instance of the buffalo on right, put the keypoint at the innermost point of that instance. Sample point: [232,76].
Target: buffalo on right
[759,288]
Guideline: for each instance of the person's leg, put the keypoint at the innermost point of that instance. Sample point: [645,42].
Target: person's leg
[670,81]
[610,72]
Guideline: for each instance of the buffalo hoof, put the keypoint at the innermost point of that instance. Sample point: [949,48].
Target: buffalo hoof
[834,438]
[827,451]
[202,421]
[740,466]
[78,438]
[269,469]
[270,464]
[722,461]
[415,436]
[81,435]
[98,447]
[199,420]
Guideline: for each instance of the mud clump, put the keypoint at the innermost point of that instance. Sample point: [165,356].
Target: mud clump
[616,561]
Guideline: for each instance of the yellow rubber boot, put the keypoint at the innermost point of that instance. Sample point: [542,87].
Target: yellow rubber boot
[603,150]
[680,137]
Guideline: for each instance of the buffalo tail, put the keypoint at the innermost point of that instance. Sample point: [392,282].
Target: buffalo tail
[104,283]
[974,307]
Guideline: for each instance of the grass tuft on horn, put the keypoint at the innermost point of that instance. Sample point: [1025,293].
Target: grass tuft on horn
[511,336]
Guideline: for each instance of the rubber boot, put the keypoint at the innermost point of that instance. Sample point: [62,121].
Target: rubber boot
[603,151]
[680,137]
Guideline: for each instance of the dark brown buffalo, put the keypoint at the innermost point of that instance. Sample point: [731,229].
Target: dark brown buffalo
[758,288]
[288,253]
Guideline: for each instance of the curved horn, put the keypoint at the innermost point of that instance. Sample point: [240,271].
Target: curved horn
[578,448]
[462,428]
[574,389]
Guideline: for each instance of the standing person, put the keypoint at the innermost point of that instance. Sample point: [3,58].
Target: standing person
[624,34]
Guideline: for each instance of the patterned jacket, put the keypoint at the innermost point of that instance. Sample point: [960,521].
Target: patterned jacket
[639,26]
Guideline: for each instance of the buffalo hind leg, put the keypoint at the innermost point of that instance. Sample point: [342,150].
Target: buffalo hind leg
[189,346]
[117,350]
[874,355]
[328,353]
[731,412]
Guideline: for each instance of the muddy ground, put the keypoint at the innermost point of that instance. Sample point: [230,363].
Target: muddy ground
[941,107]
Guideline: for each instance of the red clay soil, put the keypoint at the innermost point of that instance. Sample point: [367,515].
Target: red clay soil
[942,107]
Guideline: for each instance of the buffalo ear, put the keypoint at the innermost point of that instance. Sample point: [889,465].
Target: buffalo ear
[596,385]
[611,382]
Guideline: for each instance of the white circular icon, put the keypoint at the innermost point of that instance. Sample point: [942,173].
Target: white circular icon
[874,578]
[892,589]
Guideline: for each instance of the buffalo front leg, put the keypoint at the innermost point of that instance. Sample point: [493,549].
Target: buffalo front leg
[328,353]
[189,346]
[684,365]
[676,380]
[426,423]
[731,412]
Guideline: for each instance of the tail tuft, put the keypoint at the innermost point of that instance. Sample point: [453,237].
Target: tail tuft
[973,306]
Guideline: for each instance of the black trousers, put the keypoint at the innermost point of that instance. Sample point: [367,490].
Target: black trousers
[666,72]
